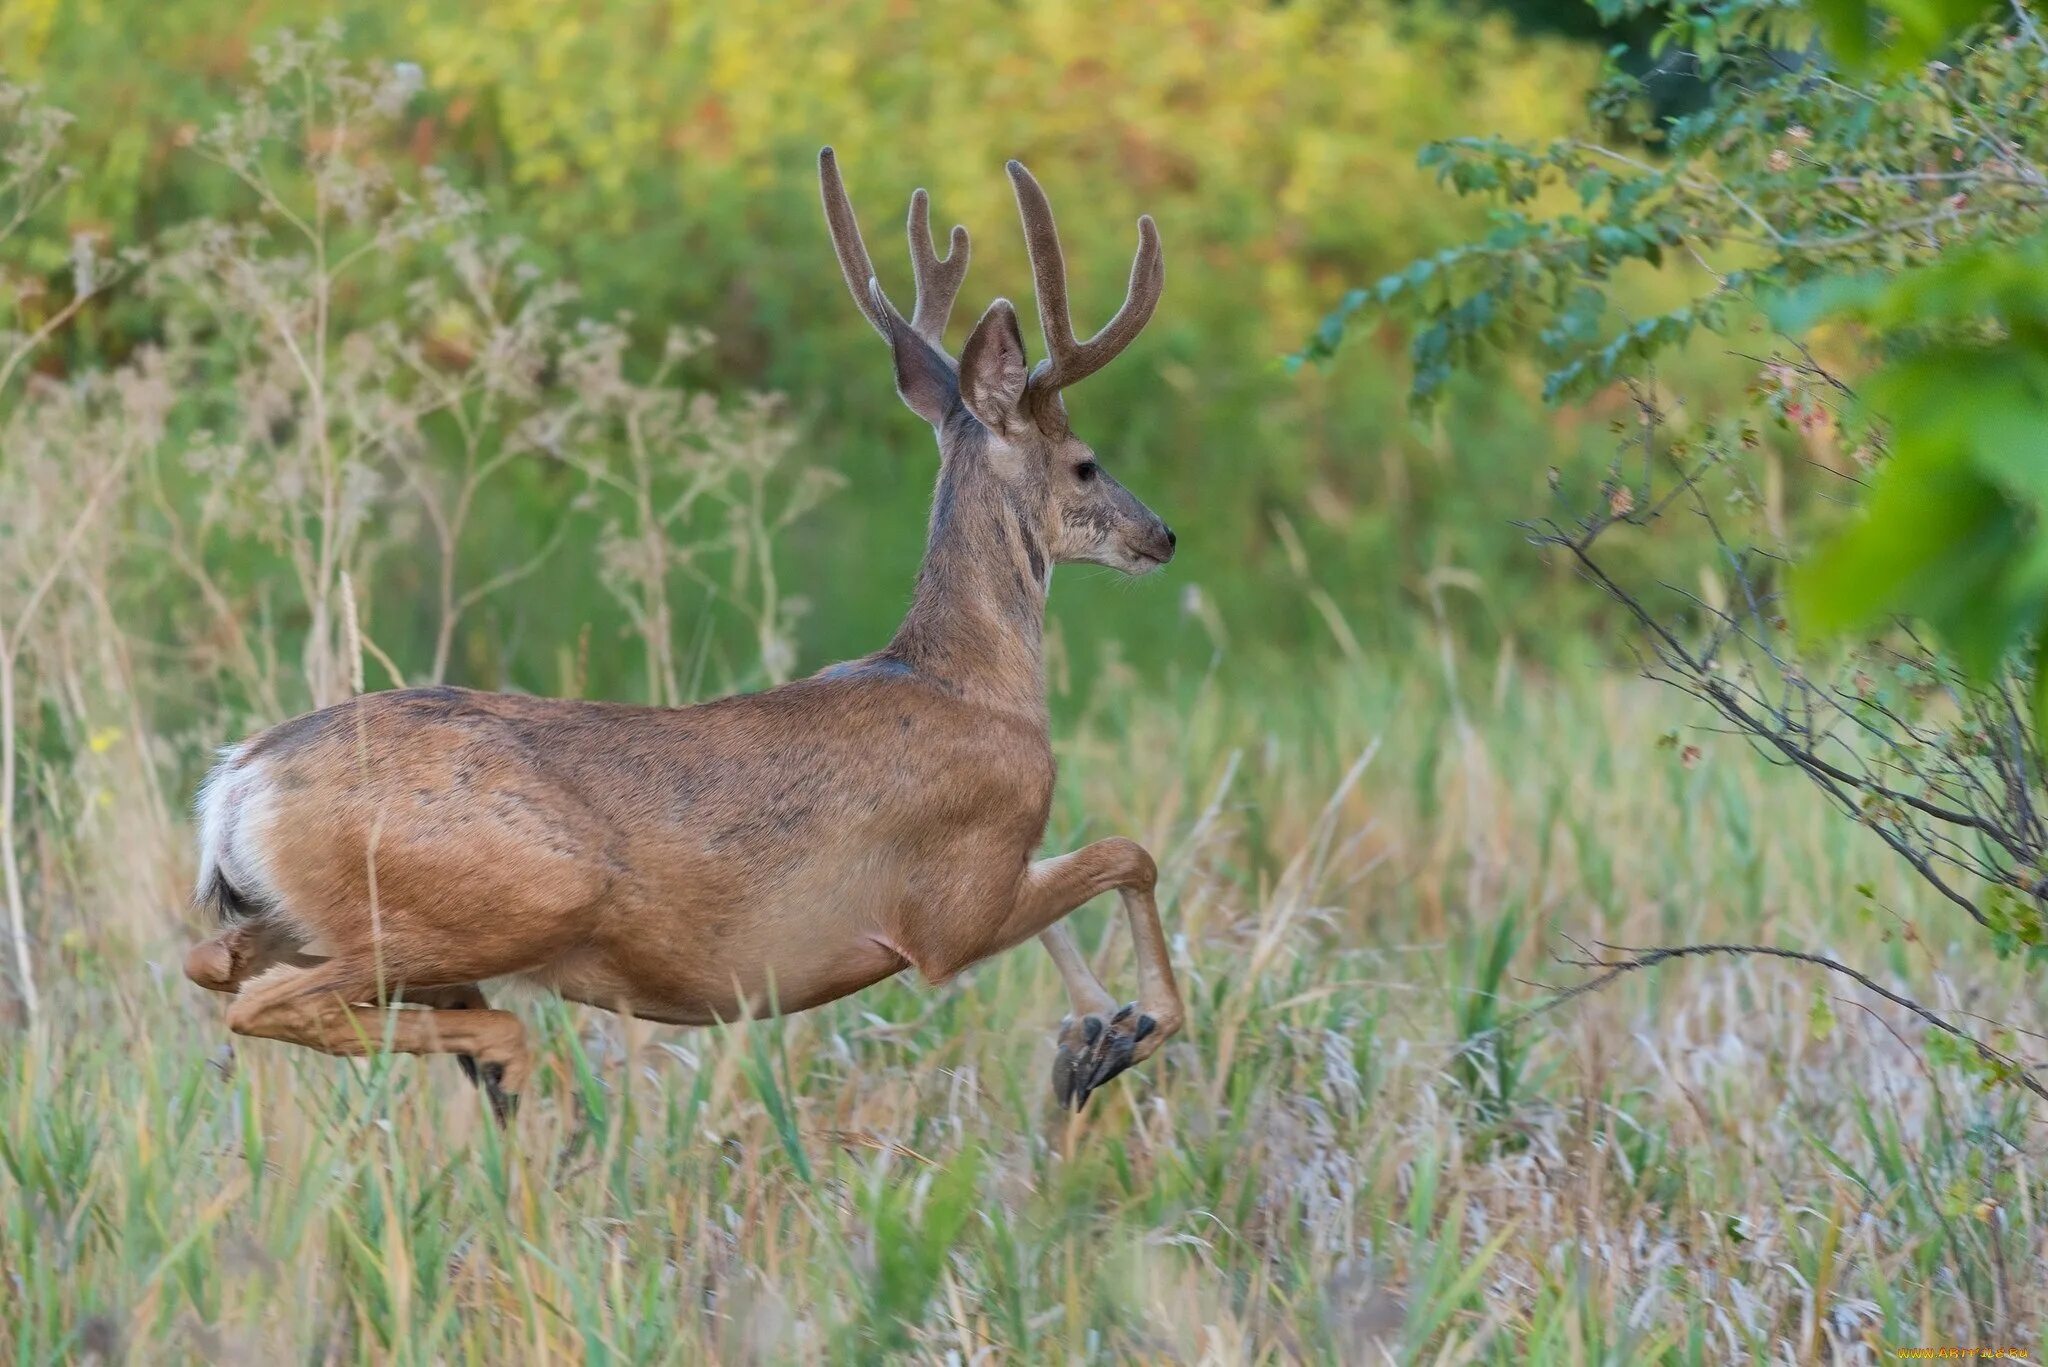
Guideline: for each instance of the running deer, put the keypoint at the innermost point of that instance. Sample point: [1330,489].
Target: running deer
[374,861]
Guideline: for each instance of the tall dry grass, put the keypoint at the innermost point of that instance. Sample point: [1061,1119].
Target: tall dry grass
[1733,1162]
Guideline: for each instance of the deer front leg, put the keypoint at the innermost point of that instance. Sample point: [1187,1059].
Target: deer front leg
[1098,1040]
[1085,991]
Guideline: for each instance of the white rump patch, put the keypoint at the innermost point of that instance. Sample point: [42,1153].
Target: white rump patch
[229,812]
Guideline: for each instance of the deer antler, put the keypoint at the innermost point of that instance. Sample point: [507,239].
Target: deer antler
[938,278]
[1068,361]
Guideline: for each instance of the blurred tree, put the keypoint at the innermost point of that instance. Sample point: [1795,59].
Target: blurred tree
[1628,31]
[661,156]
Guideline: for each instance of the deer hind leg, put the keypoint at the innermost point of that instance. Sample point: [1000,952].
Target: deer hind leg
[1098,1040]
[468,997]
[323,1007]
[245,950]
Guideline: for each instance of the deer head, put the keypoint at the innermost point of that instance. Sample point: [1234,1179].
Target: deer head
[1002,428]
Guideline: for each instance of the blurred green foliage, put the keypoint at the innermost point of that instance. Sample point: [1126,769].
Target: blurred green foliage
[1863,195]
[1876,197]
[1786,177]
[661,158]
[1895,34]
[1951,530]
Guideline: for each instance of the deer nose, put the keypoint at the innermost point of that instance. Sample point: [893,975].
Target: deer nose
[1171,539]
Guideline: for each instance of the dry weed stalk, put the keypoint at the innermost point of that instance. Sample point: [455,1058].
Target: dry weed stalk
[50,500]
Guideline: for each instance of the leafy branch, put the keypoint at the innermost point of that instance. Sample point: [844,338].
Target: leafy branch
[1879,189]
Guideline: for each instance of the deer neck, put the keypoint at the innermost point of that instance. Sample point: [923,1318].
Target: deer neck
[977,619]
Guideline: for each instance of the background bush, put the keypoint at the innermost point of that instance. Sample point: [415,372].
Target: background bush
[661,159]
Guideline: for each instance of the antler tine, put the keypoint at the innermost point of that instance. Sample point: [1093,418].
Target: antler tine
[938,277]
[847,245]
[1067,360]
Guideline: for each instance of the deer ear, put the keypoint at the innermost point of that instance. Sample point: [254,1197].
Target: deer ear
[924,378]
[992,373]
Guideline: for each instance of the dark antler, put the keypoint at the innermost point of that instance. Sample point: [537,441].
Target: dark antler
[1068,361]
[938,278]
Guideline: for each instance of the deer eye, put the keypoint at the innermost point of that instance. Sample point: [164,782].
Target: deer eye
[1085,471]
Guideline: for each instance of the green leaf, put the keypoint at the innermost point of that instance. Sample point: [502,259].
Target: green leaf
[1846,27]
[1929,540]
[2040,689]
[1820,1020]
[1797,311]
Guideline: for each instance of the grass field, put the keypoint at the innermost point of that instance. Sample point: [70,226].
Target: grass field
[1730,1161]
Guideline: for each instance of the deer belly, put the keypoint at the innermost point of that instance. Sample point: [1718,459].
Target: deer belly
[676,986]
[696,936]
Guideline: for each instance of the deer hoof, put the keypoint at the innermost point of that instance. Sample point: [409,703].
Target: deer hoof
[504,1104]
[1093,1050]
[491,1077]
[212,964]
